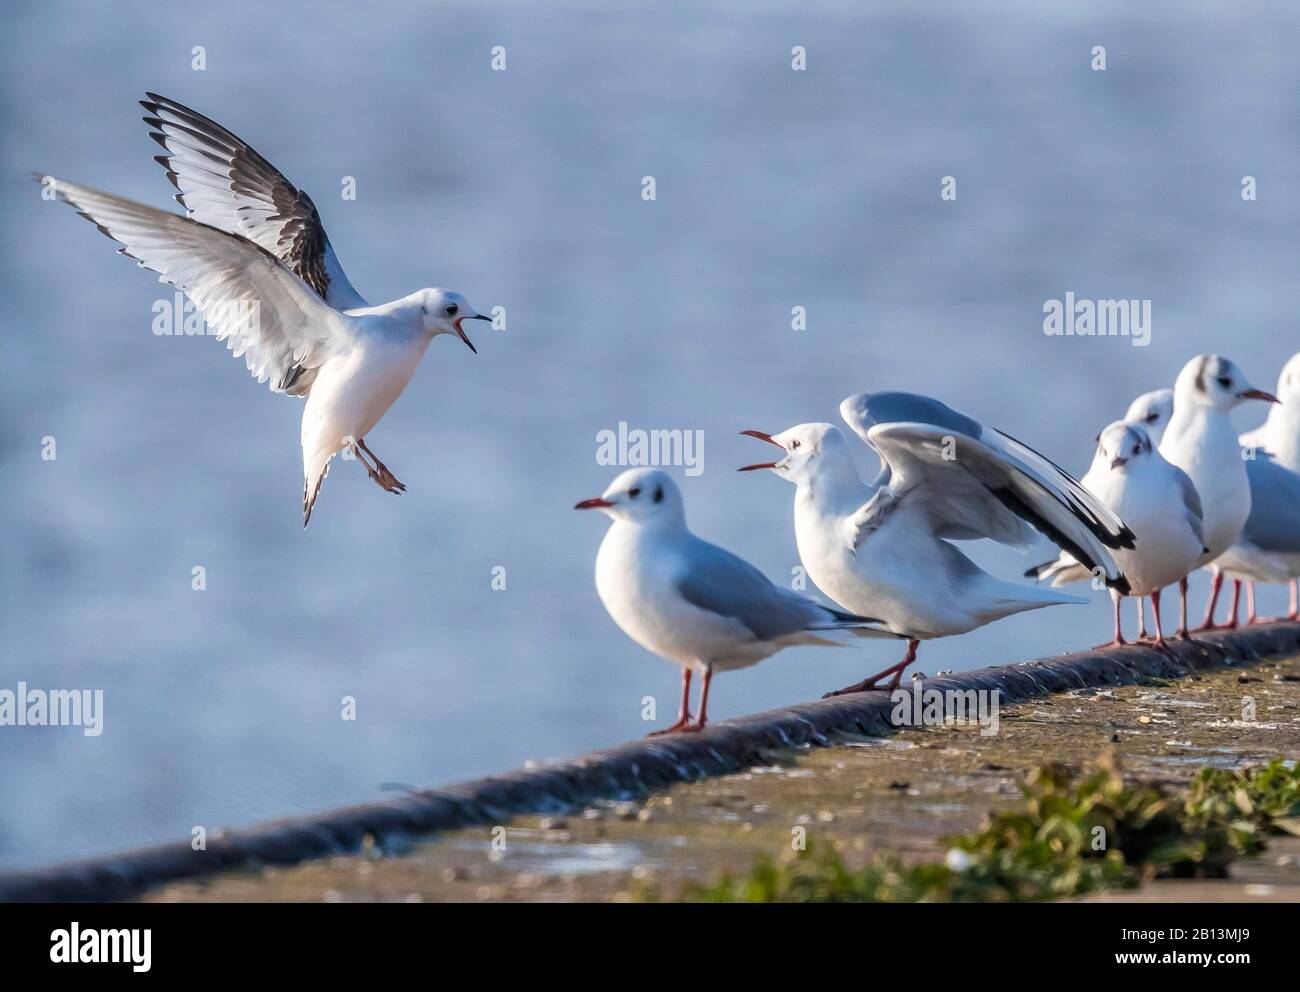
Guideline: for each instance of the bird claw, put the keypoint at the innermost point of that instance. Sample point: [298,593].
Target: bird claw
[866,685]
[386,481]
[686,725]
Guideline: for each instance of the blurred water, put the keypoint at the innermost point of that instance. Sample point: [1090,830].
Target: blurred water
[522,188]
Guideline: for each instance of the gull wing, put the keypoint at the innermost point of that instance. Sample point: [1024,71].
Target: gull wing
[1274,521]
[248,297]
[864,411]
[224,183]
[955,480]
[721,583]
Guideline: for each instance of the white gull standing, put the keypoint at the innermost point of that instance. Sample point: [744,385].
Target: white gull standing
[1268,548]
[883,549]
[252,255]
[1153,411]
[1158,501]
[690,601]
[1201,441]
[1279,435]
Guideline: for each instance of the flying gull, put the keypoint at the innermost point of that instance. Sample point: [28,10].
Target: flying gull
[253,257]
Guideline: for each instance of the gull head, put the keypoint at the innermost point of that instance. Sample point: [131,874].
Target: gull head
[1288,383]
[1153,411]
[1123,443]
[444,312]
[1215,382]
[646,496]
[811,451]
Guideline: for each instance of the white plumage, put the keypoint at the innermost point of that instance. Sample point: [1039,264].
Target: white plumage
[883,549]
[254,259]
[690,601]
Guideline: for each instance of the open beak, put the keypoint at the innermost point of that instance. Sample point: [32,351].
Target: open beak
[1259,394]
[762,437]
[1117,461]
[596,503]
[461,331]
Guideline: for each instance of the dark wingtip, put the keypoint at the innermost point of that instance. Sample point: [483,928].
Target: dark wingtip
[1120,585]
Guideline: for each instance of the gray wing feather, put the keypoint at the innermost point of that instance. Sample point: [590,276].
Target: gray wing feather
[250,299]
[719,582]
[1274,521]
[1191,503]
[963,481]
[223,182]
[864,411]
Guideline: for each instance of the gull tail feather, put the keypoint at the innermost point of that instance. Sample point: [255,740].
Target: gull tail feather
[843,628]
[1059,571]
[317,469]
[1009,598]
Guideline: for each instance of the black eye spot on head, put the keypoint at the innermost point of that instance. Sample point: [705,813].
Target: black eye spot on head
[793,445]
[1224,381]
[1152,417]
[450,309]
[634,492]
[659,494]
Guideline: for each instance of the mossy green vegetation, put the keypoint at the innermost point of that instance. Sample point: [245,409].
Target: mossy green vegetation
[1072,833]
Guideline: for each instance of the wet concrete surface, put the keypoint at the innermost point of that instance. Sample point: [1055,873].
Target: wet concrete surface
[899,794]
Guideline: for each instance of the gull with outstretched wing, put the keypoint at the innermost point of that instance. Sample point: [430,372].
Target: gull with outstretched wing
[252,256]
[885,549]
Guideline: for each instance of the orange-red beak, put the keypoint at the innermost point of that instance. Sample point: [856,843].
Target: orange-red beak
[1259,394]
[595,503]
[762,437]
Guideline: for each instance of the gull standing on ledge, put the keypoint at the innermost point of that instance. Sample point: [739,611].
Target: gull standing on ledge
[1280,437]
[1152,411]
[1268,548]
[1200,440]
[252,256]
[883,549]
[1158,501]
[690,601]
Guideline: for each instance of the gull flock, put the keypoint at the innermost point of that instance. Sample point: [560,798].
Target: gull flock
[1171,489]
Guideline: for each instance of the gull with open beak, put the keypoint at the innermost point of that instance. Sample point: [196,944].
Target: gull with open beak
[253,257]
[1200,440]
[691,602]
[884,549]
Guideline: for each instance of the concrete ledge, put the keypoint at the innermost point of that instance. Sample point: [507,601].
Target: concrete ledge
[628,771]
